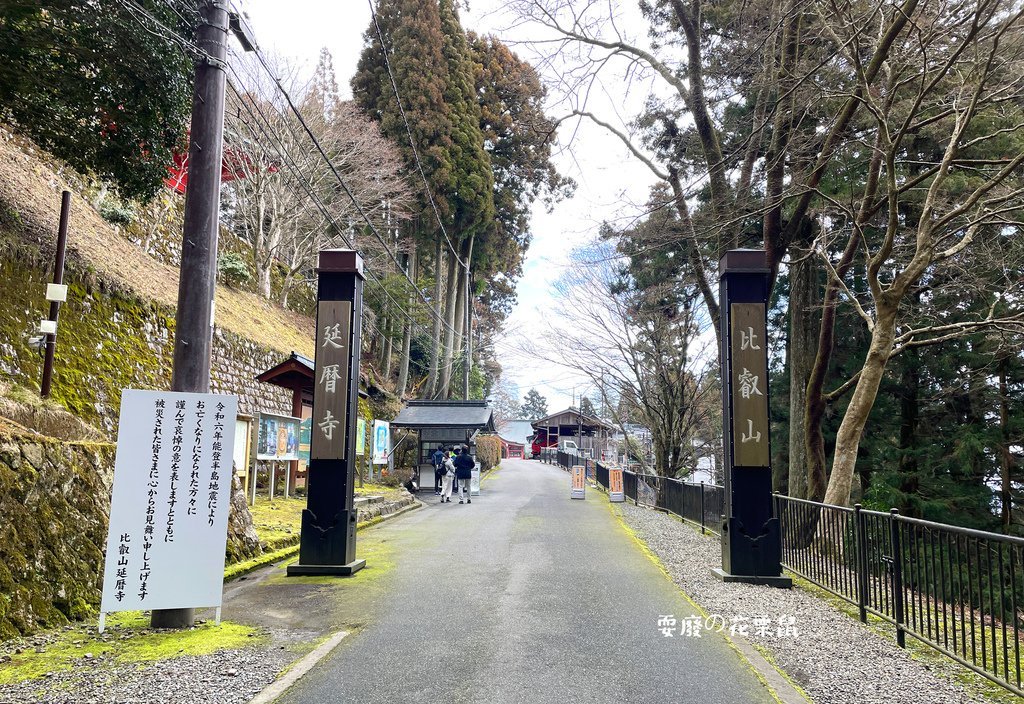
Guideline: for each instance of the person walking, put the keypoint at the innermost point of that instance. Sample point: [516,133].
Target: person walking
[464,464]
[448,467]
[438,459]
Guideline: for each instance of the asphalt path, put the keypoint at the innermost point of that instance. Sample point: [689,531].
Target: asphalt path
[524,596]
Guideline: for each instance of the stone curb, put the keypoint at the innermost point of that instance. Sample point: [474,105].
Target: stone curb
[278,687]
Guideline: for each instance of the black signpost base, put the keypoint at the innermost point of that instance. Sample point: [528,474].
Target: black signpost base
[752,560]
[782,582]
[327,550]
[326,570]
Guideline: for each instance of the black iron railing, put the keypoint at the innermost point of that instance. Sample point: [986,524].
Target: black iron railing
[955,589]
[958,590]
[702,504]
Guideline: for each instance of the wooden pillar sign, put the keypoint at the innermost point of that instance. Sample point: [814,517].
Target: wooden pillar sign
[331,373]
[748,352]
[615,493]
[751,542]
[327,543]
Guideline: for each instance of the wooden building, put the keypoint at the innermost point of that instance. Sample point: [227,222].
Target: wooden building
[591,434]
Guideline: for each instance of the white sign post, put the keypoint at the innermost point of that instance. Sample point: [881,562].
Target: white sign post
[474,480]
[169,509]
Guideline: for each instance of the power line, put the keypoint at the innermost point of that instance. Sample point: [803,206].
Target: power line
[175,37]
[282,150]
[184,44]
[408,131]
[307,187]
[341,181]
[287,96]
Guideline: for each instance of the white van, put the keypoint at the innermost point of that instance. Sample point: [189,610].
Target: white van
[572,448]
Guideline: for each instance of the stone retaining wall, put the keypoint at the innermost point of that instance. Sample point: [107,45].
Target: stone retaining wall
[110,341]
[383,507]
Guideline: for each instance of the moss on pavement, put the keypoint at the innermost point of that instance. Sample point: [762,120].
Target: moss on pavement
[127,639]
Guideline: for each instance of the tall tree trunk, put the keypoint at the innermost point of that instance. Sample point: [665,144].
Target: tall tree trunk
[802,346]
[856,416]
[386,332]
[449,331]
[435,341]
[403,370]
[456,305]
[264,280]
[816,403]
[910,407]
[460,328]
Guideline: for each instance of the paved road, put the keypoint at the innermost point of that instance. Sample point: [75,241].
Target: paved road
[524,596]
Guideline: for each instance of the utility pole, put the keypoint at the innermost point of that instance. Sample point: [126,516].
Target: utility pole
[579,417]
[58,279]
[193,338]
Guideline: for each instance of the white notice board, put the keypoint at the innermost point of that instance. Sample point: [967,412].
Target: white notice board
[169,509]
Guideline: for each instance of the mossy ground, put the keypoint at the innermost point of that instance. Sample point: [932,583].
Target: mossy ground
[368,547]
[373,547]
[388,492]
[30,185]
[128,639]
[278,522]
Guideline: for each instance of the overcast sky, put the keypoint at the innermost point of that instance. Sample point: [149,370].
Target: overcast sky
[606,175]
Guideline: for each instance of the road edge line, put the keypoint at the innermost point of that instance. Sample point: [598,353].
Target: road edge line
[278,687]
[773,677]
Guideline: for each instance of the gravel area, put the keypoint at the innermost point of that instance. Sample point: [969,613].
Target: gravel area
[224,677]
[834,658]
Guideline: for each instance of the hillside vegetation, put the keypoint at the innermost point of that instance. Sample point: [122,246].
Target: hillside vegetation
[30,186]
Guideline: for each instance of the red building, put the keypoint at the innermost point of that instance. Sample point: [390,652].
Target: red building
[511,450]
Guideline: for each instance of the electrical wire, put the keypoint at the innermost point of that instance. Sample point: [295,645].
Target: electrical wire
[281,150]
[176,37]
[183,43]
[412,141]
[373,228]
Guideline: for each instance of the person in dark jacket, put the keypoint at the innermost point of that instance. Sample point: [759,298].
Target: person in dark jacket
[438,459]
[464,464]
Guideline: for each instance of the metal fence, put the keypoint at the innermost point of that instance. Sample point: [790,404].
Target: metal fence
[702,503]
[957,590]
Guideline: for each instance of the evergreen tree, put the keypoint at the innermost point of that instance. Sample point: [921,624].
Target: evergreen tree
[412,33]
[534,405]
[473,197]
